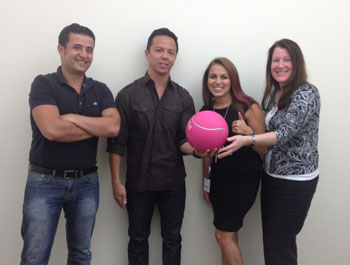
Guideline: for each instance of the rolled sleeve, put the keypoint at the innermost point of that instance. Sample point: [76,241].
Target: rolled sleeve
[189,111]
[114,147]
[118,144]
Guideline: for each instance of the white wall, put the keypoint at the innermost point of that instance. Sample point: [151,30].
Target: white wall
[240,30]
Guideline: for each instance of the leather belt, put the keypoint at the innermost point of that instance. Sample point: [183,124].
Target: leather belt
[68,173]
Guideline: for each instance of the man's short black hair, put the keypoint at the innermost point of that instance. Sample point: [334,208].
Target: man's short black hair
[162,32]
[63,38]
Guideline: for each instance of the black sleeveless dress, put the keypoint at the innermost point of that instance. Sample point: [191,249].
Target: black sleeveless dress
[235,181]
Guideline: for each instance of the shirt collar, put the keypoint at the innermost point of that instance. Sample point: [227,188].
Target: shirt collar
[147,79]
[87,82]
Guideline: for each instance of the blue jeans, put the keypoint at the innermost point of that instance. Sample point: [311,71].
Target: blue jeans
[140,206]
[45,196]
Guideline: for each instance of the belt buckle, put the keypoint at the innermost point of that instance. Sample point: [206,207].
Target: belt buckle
[68,172]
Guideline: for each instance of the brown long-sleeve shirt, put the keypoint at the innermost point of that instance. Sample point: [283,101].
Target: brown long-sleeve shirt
[152,130]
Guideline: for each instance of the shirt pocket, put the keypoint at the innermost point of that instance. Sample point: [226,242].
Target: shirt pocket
[170,117]
[141,117]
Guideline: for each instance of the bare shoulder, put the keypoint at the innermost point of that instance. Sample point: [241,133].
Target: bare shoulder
[254,111]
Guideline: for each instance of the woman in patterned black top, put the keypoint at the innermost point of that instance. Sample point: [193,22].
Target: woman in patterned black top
[292,108]
[235,179]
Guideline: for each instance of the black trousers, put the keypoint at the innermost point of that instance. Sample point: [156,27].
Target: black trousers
[140,206]
[284,207]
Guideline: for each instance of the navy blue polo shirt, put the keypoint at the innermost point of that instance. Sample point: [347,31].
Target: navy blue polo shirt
[52,89]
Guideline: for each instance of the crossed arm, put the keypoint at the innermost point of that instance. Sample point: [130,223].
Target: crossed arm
[74,127]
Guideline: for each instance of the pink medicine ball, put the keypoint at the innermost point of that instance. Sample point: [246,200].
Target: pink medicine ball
[206,130]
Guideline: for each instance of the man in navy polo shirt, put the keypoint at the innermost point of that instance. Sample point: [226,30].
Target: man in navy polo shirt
[69,111]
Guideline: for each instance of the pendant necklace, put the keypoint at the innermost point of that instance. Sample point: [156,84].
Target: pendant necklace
[225,111]
[216,156]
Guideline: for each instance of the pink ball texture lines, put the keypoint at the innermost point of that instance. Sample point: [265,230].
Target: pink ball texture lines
[206,130]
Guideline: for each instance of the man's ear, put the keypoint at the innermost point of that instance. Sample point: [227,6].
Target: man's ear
[60,49]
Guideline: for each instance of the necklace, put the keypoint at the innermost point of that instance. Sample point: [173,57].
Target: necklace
[216,156]
[225,111]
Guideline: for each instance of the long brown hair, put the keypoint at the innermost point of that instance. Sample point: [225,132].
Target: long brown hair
[297,78]
[239,98]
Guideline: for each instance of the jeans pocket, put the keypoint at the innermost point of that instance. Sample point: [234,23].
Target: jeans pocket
[91,178]
[35,178]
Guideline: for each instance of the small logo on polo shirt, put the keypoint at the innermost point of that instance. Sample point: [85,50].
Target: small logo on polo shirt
[95,103]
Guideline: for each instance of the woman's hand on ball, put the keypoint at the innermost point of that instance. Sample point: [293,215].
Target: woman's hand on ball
[237,142]
[211,153]
[207,154]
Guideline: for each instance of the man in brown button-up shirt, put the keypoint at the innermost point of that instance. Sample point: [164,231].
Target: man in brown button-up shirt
[154,112]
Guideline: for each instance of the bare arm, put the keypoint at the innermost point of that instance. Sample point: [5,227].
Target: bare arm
[237,141]
[187,149]
[119,191]
[107,125]
[54,128]
[206,164]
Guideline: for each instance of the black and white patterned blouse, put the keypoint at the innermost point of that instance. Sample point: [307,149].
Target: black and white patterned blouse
[295,155]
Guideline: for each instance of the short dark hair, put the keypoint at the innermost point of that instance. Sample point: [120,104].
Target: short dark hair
[162,32]
[63,38]
[298,77]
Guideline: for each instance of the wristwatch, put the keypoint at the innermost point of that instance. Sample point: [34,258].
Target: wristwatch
[252,134]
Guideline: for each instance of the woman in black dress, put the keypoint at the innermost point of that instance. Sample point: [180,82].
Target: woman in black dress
[234,180]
